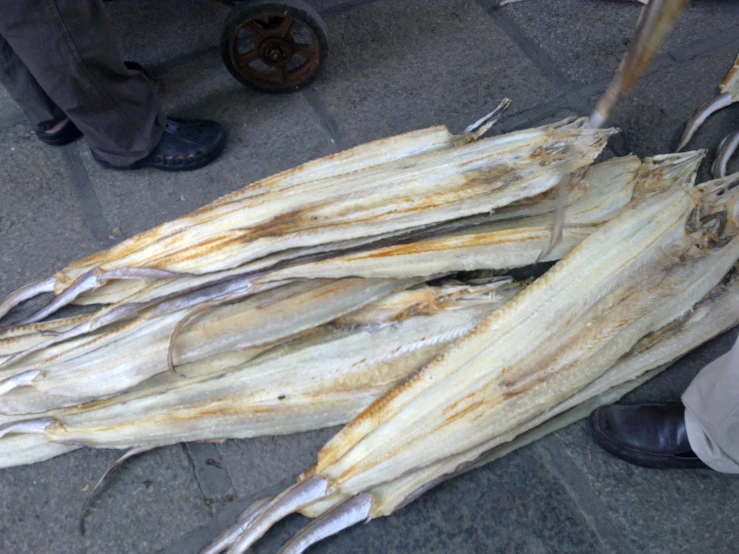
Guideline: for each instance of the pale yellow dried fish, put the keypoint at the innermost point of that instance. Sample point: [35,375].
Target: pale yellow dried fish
[516,243]
[323,379]
[716,313]
[269,222]
[636,274]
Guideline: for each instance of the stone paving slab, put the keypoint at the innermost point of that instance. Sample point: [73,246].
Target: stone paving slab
[653,116]
[401,66]
[150,502]
[10,113]
[262,463]
[587,38]
[171,31]
[513,505]
[635,509]
[43,225]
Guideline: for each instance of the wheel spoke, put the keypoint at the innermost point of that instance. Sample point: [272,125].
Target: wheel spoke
[254,28]
[284,28]
[281,73]
[244,60]
[307,50]
[284,63]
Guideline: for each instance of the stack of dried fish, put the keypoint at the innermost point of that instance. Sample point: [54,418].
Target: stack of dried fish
[238,326]
[611,310]
[342,289]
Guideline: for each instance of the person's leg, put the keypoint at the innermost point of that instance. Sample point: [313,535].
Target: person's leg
[40,110]
[708,451]
[69,48]
[701,431]
[49,122]
[712,413]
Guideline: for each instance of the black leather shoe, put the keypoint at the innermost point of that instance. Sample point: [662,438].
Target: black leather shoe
[649,435]
[185,145]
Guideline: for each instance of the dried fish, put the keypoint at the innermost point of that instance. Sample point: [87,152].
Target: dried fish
[332,294]
[63,362]
[725,151]
[716,313]
[447,179]
[109,363]
[314,382]
[636,274]
[515,243]
[728,94]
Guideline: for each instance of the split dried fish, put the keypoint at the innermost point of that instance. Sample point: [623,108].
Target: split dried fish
[515,243]
[716,313]
[634,275]
[303,301]
[725,151]
[109,363]
[66,370]
[312,383]
[433,179]
[443,182]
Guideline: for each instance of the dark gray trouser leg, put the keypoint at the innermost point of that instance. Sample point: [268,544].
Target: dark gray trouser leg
[69,48]
[24,88]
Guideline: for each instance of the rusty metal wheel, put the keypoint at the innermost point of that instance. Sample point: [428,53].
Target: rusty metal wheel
[274,46]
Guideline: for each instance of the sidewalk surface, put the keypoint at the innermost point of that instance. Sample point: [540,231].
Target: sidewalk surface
[395,65]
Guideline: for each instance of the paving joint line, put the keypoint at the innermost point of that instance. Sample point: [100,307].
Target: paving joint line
[702,46]
[679,54]
[586,504]
[580,97]
[327,121]
[89,202]
[160,69]
[532,50]
[196,539]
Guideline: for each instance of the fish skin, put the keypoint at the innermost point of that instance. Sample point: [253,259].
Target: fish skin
[234,232]
[111,363]
[243,401]
[661,256]
[351,457]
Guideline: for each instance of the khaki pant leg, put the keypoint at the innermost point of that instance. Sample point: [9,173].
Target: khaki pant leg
[712,413]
